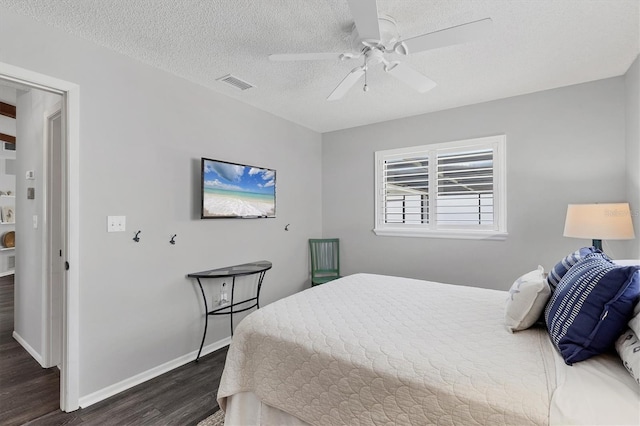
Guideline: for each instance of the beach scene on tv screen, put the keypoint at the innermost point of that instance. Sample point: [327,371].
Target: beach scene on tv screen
[232,190]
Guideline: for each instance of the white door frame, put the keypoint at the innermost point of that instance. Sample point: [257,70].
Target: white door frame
[70,368]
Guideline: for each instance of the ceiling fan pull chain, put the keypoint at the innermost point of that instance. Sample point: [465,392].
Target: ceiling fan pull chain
[365,88]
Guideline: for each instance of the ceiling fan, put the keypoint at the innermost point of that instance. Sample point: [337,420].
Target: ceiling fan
[376,38]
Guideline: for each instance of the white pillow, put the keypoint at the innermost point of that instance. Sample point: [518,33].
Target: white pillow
[527,298]
[628,347]
[634,322]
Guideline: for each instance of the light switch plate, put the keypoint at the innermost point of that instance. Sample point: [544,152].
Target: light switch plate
[116,223]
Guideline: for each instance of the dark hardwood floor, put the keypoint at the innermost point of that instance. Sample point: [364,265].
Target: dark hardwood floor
[27,390]
[29,394]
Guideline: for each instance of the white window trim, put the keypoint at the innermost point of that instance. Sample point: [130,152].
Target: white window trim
[431,230]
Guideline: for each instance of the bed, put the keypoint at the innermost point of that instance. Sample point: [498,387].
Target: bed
[372,350]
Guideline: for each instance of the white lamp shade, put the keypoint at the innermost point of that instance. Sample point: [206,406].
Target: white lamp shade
[599,221]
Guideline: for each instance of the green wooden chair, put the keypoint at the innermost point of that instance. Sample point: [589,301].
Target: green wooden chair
[325,260]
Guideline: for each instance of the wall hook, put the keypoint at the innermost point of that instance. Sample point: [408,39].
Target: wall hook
[172,240]
[136,238]
[286,228]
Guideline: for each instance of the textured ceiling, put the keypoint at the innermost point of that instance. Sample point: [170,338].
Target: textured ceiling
[535,45]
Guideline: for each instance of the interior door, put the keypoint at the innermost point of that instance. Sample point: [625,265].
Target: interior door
[55,262]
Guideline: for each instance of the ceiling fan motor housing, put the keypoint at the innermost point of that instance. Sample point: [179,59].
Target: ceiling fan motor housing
[389,35]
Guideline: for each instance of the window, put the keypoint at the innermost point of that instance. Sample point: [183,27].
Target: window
[448,190]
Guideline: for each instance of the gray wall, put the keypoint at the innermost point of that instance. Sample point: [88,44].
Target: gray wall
[31,108]
[142,133]
[632,83]
[563,146]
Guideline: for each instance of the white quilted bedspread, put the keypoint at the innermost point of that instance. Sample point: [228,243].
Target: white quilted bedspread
[377,350]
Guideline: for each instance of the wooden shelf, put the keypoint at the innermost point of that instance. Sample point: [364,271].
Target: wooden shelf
[7,196]
[7,223]
[6,273]
[7,248]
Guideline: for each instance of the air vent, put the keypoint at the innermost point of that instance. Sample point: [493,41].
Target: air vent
[235,82]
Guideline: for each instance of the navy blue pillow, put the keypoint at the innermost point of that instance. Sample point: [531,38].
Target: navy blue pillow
[561,268]
[591,306]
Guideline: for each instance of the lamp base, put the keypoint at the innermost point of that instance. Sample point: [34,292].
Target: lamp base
[597,244]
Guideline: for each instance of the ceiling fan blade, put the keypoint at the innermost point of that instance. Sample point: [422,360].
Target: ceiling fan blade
[411,77]
[365,15]
[455,35]
[305,56]
[346,84]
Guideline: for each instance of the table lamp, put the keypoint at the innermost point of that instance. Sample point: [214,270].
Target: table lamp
[599,222]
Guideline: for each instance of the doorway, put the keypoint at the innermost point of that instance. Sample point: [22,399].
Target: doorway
[60,172]
[32,174]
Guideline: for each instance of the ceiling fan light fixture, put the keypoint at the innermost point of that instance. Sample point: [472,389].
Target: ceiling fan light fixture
[388,66]
[401,48]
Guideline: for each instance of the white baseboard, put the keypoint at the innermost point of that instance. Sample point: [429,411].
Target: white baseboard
[105,393]
[27,347]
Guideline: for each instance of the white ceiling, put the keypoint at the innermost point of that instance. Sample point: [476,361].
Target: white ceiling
[535,45]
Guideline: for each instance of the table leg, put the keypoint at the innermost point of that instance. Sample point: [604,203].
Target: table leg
[260,278]
[206,319]
[233,285]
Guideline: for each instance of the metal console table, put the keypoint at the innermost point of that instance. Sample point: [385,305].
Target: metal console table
[260,268]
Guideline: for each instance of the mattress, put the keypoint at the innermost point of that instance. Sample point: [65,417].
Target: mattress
[371,349]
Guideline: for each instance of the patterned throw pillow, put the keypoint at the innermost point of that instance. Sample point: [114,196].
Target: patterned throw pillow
[591,306]
[634,322]
[628,344]
[565,264]
[527,297]
[628,347]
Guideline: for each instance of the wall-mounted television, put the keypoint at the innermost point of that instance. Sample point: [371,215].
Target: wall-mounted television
[232,190]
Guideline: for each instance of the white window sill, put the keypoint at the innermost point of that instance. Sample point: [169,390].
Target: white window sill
[453,234]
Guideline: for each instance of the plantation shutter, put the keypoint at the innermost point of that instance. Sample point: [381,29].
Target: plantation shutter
[465,188]
[406,190]
[447,190]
